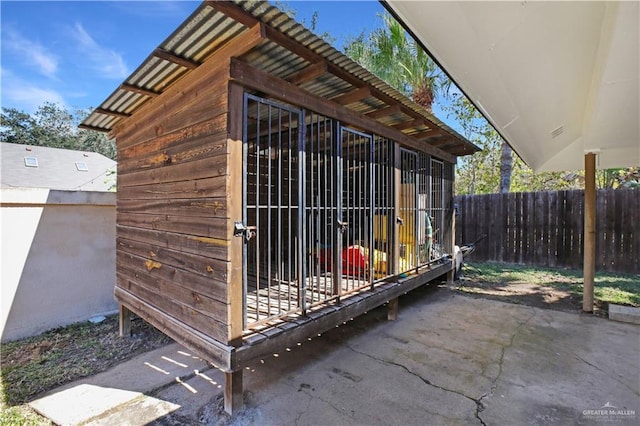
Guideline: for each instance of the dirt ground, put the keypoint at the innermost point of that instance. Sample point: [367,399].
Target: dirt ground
[526,293]
[35,365]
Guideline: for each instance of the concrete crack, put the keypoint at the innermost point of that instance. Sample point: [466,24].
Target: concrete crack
[338,410]
[479,405]
[494,382]
[301,413]
[634,391]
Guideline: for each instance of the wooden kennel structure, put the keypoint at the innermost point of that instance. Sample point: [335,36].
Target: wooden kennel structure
[269,188]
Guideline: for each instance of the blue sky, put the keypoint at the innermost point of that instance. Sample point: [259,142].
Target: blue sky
[76,53]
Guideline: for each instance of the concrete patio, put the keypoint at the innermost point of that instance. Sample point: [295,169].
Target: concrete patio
[448,359]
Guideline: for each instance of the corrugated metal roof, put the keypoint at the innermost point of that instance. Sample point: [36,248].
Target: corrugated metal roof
[209,28]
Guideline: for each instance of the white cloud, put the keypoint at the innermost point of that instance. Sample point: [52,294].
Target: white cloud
[24,95]
[36,54]
[107,62]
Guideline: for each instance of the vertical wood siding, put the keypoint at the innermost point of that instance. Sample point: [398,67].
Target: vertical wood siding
[547,228]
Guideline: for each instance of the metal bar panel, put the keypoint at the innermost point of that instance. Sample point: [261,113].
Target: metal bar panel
[302,279]
[269,218]
[336,178]
[245,165]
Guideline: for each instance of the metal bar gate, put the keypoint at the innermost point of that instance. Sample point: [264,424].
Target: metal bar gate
[318,210]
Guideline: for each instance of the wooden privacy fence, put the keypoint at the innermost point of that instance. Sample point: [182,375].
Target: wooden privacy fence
[547,228]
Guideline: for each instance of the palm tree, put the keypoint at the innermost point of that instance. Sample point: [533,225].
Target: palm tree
[392,55]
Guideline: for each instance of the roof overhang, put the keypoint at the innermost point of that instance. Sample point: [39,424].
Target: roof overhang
[556,79]
[274,55]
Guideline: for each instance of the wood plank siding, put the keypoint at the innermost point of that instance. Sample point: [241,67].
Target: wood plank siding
[173,231]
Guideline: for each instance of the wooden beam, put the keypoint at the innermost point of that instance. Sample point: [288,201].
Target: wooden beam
[392,309]
[307,54]
[139,90]
[241,44]
[309,73]
[124,320]
[233,400]
[233,11]
[384,112]
[409,124]
[448,145]
[256,79]
[313,57]
[112,113]
[178,60]
[350,307]
[95,129]
[589,230]
[234,189]
[431,133]
[353,96]
[205,346]
[435,140]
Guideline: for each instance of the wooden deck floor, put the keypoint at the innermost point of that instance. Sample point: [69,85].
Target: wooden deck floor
[273,335]
[282,298]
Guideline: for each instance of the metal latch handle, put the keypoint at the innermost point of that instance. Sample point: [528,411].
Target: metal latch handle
[342,225]
[399,220]
[242,230]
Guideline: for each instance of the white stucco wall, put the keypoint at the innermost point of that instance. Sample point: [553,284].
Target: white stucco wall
[57,254]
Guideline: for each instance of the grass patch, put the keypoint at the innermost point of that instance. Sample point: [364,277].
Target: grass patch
[623,289]
[37,364]
[21,416]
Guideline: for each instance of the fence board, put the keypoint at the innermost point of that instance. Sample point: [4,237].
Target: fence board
[547,228]
[552,219]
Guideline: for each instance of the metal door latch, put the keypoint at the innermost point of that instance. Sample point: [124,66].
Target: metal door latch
[342,225]
[242,230]
[399,220]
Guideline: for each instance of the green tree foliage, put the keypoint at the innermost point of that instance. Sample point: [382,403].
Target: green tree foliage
[481,173]
[393,56]
[53,126]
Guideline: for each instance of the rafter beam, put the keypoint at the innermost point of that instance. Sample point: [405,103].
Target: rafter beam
[353,96]
[309,73]
[448,145]
[178,60]
[234,12]
[384,112]
[255,79]
[307,54]
[139,90]
[431,133]
[409,124]
[96,129]
[112,113]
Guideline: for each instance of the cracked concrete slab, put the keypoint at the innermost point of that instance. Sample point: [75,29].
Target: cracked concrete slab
[448,359]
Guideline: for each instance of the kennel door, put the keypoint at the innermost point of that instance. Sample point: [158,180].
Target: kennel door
[357,256]
[273,192]
[407,210]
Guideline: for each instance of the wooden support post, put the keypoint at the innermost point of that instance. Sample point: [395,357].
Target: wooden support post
[235,211]
[589,231]
[125,321]
[232,391]
[392,310]
[451,273]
